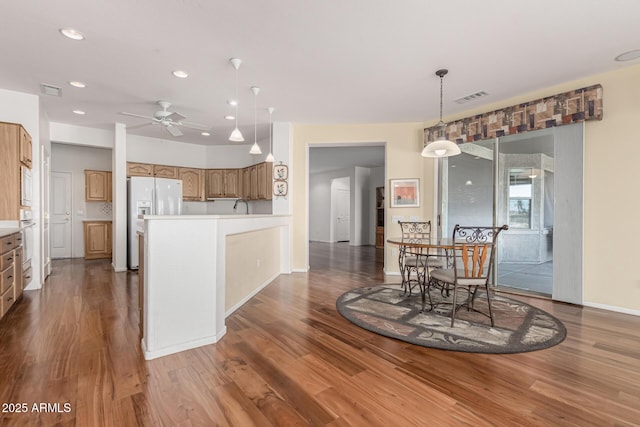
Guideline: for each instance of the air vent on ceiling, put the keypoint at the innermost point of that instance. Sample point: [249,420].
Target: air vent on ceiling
[471,97]
[50,90]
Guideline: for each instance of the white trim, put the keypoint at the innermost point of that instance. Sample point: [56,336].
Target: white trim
[149,355]
[251,295]
[300,270]
[612,308]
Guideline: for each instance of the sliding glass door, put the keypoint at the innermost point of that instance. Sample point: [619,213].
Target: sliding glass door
[518,180]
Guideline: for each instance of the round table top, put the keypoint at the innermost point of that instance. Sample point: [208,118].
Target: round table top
[442,243]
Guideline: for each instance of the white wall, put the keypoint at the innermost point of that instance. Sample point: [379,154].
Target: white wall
[22,108]
[75,159]
[360,204]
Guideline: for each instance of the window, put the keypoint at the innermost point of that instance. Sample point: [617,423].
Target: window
[520,194]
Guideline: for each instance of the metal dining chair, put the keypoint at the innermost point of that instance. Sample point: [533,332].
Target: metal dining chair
[473,253]
[416,260]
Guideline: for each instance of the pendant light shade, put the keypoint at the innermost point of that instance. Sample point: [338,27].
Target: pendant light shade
[255,148]
[441,147]
[236,135]
[270,158]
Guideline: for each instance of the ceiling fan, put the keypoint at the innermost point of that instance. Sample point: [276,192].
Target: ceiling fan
[170,120]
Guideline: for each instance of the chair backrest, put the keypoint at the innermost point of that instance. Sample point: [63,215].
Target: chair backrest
[474,249]
[415,232]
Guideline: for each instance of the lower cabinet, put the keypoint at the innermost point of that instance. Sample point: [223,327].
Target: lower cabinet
[97,239]
[11,282]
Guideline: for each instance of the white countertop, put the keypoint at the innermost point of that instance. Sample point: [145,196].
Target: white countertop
[232,216]
[8,231]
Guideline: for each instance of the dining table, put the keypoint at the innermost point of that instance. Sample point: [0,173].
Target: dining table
[422,249]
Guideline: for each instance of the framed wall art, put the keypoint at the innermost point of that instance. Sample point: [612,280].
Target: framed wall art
[404,193]
[280,172]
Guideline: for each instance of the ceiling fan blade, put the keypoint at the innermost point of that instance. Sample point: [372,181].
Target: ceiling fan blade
[138,126]
[192,125]
[174,130]
[137,115]
[175,117]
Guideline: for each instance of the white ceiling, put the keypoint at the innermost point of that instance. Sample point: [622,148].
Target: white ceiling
[334,61]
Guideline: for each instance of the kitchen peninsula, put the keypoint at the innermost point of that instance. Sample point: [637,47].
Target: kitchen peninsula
[198,269]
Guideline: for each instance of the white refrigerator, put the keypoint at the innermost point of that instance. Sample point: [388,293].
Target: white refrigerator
[149,196]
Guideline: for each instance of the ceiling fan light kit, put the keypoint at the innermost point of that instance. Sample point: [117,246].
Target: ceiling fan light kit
[236,135]
[441,147]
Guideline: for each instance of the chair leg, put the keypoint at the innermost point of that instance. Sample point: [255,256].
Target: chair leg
[453,307]
[489,304]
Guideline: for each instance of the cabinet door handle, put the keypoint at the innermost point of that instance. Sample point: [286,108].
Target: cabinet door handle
[9,299]
[9,260]
[9,277]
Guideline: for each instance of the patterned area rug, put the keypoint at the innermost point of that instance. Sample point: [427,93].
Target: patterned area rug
[519,327]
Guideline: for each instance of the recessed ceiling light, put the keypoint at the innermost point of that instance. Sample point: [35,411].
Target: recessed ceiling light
[628,56]
[180,74]
[232,102]
[80,112]
[205,134]
[229,117]
[77,84]
[71,33]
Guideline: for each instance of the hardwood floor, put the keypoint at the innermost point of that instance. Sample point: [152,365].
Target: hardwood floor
[289,358]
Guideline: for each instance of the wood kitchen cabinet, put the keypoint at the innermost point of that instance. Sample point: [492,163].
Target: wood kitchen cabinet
[139,169]
[246,183]
[161,171]
[15,144]
[192,183]
[97,239]
[222,183]
[253,182]
[26,148]
[97,186]
[265,180]
[11,283]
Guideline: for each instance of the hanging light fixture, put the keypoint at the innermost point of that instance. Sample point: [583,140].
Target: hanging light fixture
[441,147]
[236,135]
[270,158]
[255,148]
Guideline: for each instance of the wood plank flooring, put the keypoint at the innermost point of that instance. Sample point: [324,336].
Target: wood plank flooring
[289,358]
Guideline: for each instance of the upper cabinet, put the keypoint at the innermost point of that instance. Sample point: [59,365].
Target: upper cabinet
[139,169]
[222,183]
[161,171]
[26,148]
[97,186]
[15,144]
[192,183]
[251,183]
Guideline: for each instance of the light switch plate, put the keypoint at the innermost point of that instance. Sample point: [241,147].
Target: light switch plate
[414,218]
[397,218]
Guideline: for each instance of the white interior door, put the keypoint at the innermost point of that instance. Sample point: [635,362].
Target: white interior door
[46,214]
[340,209]
[60,215]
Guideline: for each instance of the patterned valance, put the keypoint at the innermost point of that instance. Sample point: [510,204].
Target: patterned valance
[557,110]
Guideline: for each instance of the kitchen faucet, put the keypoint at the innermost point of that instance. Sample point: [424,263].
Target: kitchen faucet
[235,205]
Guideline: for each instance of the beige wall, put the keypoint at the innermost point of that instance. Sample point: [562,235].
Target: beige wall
[612,152]
[243,274]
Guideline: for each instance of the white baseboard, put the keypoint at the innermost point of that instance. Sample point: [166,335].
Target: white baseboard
[612,308]
[149,355]
[391,273]
[300,270]
[251,295]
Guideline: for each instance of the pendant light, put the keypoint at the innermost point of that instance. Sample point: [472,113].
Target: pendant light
[255,148]
[270,158]
[236,135]
[441,147]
